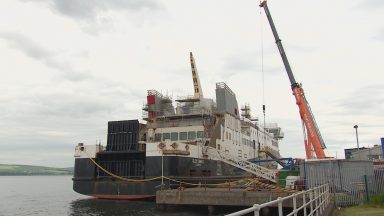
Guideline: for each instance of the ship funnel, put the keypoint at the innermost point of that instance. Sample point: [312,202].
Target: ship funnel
[196,81]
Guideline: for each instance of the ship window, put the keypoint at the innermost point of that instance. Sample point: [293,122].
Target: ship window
[157,137]
[183,135]
[166,136]
[174,136]
[200,134]
[191,135]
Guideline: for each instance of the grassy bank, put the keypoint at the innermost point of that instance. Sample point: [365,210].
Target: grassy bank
[374,208]
[7,169]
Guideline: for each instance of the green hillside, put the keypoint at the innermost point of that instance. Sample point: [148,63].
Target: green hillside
[8,169]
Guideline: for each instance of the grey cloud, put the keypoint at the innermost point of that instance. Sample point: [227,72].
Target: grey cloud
[29,47]
[36,51]
[246,63]
[373,4]
[364,100]
[89,9]
[241,63]
[81,105]
[56,121]
[380,35]
[57,114]
[68,105]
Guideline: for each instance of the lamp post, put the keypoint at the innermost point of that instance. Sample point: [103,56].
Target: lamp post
[357,140]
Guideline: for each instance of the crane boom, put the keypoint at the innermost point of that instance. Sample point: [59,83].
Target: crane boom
[314,139]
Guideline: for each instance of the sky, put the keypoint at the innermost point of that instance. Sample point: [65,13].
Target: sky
[69,67]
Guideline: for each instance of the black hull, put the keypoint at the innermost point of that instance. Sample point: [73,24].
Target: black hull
[125,157]
[89,180]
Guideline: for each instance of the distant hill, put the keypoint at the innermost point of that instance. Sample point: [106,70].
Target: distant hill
[19,170]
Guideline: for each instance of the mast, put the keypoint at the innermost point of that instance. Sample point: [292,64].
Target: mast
[198,91]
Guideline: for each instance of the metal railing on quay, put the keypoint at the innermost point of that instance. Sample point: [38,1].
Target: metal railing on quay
[351,182]
[314,201]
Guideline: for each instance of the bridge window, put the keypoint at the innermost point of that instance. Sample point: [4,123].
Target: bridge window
[200,134]
[183,136]
[157,137]
[174,136]
[191,135]
[166,136]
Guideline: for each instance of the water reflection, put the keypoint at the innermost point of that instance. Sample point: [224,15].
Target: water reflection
[100,207]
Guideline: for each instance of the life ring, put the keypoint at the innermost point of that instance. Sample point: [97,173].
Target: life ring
[161,145]
[174,145]
[187,147]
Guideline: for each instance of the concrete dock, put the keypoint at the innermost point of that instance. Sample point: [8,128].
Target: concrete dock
[219,197]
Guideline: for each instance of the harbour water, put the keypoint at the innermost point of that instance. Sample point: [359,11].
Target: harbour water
[53,195]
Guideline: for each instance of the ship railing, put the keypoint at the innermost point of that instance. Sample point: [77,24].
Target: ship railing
[223,85]
[154,92]
[250,167]
[185,97]
[310,202]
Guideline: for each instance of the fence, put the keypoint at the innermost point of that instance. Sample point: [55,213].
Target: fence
[352,182]
[314,201]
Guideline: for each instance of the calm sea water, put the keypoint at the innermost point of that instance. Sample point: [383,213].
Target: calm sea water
[53,195]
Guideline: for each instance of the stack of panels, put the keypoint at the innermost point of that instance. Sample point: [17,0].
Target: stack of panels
[130,168]
[127,164]
[123,135]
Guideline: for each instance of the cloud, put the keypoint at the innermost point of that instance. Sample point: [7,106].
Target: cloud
[247,62]
[241,63]
[38,52]
[90,9]
[380,35]
[54,121]
[48,107]
[372,4]
[23,43]
[367,99]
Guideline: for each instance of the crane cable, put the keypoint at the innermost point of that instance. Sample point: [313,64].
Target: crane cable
[262,55]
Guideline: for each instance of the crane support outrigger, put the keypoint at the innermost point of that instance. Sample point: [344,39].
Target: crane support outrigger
[313,141]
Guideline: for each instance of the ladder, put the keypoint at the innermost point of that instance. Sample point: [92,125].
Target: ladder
[241,164]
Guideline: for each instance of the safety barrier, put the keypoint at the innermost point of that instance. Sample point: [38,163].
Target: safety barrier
[351,182]
[314,201]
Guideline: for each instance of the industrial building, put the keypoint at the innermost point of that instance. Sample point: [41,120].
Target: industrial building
[370,153]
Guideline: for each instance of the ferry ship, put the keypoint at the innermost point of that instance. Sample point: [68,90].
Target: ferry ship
[200,140]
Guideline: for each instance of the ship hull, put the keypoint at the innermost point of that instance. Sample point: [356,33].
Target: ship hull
[88,181]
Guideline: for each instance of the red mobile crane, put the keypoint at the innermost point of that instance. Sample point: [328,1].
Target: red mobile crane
[313,141]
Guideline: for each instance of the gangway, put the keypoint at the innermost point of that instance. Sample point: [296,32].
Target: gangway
[245,165]
[286,163]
